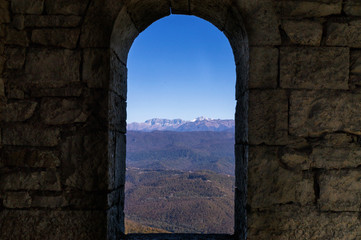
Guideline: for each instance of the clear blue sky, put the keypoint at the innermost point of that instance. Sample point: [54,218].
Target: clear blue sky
[181,67]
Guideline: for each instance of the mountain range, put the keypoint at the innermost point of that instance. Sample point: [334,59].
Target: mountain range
[179,125]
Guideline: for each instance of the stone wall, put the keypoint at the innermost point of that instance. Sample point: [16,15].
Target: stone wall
[63,109]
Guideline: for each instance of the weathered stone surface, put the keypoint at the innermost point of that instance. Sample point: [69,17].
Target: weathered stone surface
[15,93]
[123,35]
[15,37]
[96,68]
[44,201]
[15,57]
[26,135]
[17,200]
[340,190]
[52,68]
[304,32]
[51,21]
[66,38]
[295,159]
[2,63]
[4,12]
[96,32]
[46,224]
[27,180]
[66,7]
[310,8]
[336,158]
[117,114]
[57,92]
[86,200]
[352,7]
[30,158]
[263,67]
[311,68]
[118,77]
[86,165]
[18,111]
[2,90]
[180,7]
[55,111]
[241,119]
[119,161]
[267,178]
[268,117]
[28,6]
[212,11]
[262,22]
[344,34]
[294,222]
[355,62]
[19,21]
[313,113]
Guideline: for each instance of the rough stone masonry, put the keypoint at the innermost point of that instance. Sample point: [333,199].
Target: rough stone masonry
[63,82]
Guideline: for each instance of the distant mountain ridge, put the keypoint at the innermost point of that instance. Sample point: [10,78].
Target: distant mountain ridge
[179,125]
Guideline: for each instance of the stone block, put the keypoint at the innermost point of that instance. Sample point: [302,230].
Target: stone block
[336,158]
[300,222]
[304,32]
[44,201]
[26,135]
[4,12]
[310,68]
[355,62]
[295,159]
[116,197]
[119,161]
[352,7]
[56,111]
[53,224]
[19,21]
[117,114]
[145,13]
[180,6]
[86,200]
[266,177]
[268,117]
[241,119]
[48,180]
[310,8]
[263,67]
[241,167]
[57,92]
[344,34]
[15,93]
[52,68]
[118,77]
[66,7]
[18,111]
[52,21]
[340,191]
[66,38]
[15,57]
[15,37]
[2,89]
[17,200]
[27,6]
[313,113]
[2,63]
[214,11]
[123,35]
[85,167]
[96,32]
[30,158]
[96,67]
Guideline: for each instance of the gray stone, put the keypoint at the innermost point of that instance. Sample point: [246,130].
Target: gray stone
[53,224]
[118,77]
[352,7]
[30,158]
[263,67]
[55,111]
[48,180]
[51,21]
[304,32]
[66,7]
[96,67]
[336,158]
[300,222]
[27,6]
[18,111]
[344,34]
[268,117]
[119,161]
[96,32]
[214,11]
[52,68]
[355,62]
[17,200]
[266,177]
[340,191]
[15,37]
[313,113]
[26,135]
[15,57]
[66,38]
[311,68]
[310,8]
[117,113]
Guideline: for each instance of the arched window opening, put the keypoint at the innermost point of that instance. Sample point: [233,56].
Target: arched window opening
[180,165]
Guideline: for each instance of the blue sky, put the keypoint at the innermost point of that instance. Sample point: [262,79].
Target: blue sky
[181,67]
